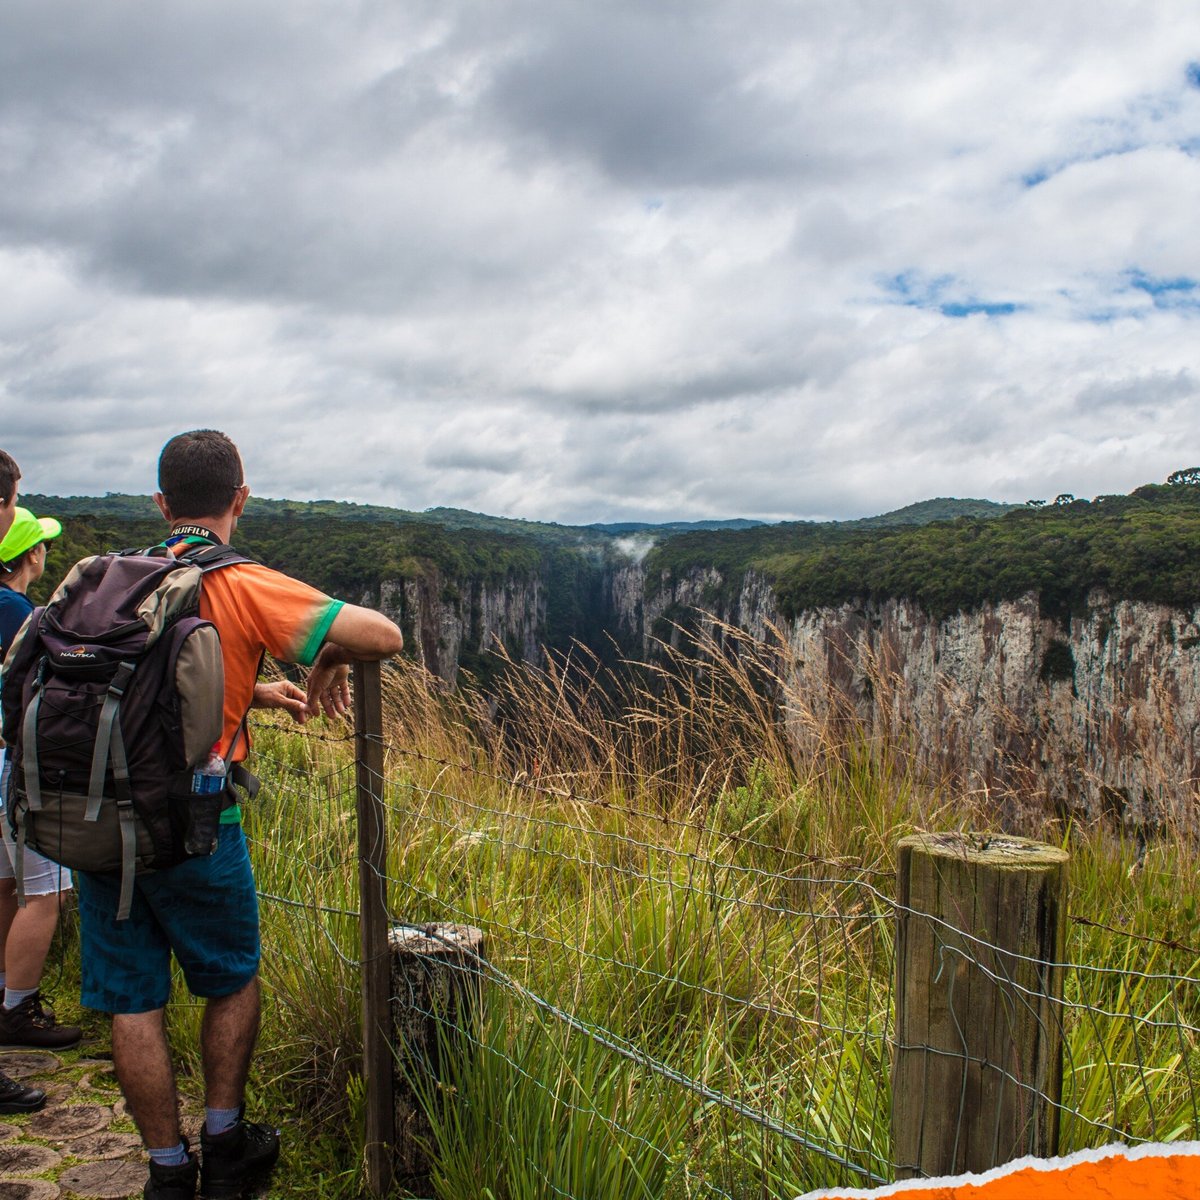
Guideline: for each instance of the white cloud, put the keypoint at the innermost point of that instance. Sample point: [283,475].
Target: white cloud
[578,263]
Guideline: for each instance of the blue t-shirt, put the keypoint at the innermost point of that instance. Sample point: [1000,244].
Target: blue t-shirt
[15,607]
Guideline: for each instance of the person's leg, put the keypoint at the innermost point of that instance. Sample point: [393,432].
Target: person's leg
[8,910]
[227,1039]
[15,1097]
[8,883]
[24,1019]
[125,969]
[234,1151]
[215,938]
[26,932]
[31,929]
[142,1060]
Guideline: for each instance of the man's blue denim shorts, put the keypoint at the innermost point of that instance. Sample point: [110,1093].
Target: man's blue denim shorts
[204,909]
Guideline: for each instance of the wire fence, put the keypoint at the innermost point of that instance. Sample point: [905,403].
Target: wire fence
[704,1012]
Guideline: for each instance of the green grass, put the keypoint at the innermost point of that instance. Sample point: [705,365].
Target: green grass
[706,899]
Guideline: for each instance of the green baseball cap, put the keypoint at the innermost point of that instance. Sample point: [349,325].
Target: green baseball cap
[27,530]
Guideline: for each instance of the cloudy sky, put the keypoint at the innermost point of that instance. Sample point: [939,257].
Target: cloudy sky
[604,259]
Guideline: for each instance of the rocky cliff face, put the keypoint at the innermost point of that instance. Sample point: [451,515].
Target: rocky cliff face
[453,624]
[1097,716]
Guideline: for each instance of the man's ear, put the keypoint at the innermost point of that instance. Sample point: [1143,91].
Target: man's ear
[239,500]
[163,507]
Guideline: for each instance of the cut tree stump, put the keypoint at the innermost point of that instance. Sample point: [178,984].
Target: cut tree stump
[977,1074]
[436,999]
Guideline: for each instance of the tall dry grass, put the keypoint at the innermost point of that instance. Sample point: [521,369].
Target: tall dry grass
[682,868]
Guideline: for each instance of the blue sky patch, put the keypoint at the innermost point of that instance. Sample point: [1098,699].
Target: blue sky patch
[970,307]
[944,294]
[1166,291]
[1193,74]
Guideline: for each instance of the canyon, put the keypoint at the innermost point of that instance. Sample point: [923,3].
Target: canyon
[1089,715]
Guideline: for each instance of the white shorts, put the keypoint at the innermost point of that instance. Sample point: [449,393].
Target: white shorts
[42,877]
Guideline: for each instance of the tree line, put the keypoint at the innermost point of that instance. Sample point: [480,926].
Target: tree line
[1143,546]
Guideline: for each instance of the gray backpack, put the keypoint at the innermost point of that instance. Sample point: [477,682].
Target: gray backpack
[112,695]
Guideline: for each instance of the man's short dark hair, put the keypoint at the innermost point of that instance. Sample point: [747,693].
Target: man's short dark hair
[199,473]
[9,474]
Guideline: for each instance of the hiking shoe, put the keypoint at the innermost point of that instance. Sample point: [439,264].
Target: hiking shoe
[31,1023]
[231,1161]
[16,1098]
[173,1183]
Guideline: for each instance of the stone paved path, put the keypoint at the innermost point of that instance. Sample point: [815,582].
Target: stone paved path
[82,1144]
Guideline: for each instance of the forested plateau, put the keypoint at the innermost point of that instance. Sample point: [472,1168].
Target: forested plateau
[1046,655]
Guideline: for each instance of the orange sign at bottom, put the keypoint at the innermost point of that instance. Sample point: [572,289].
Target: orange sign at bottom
[1159,1171]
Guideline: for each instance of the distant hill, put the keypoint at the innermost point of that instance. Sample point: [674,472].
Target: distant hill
[945,554]
[125,507]
[1144,546]
[924,512]
[624,528]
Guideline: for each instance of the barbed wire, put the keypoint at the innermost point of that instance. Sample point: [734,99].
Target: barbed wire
[749,1005]
[664,819]
[472,1039]
[1165,943]
[626,1049]
[1150,1008]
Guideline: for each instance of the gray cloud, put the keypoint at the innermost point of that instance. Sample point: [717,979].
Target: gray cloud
[1142,394]
[656,98]
[578,262]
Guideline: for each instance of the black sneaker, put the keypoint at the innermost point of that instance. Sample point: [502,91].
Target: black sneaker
[231,1161]
[33,1024]
[16,1098]
[173,1183]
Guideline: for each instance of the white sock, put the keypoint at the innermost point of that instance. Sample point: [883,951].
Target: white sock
[14,996]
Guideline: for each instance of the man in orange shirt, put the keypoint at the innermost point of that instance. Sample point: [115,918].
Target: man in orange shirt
[205,909]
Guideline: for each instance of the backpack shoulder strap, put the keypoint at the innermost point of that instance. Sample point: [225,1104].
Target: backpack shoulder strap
[214,557]
[158,551]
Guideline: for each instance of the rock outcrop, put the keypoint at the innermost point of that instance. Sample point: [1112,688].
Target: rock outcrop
[451,624]
[1095,715]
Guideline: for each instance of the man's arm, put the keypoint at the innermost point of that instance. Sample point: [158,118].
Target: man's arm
[356,635]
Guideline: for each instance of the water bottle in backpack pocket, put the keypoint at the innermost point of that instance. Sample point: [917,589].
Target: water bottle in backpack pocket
[205,803]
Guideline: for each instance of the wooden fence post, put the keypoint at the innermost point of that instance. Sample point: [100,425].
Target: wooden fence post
[977,1074]
[373,922]
[437,995]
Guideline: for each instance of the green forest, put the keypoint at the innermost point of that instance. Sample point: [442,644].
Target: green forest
[1144,546]
[945,555]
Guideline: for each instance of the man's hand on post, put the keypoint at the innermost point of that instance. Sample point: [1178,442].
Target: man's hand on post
[329,683]
[356,635]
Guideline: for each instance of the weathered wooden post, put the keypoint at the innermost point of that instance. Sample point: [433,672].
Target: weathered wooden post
[977,1074]
[437,995]
[373,924]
